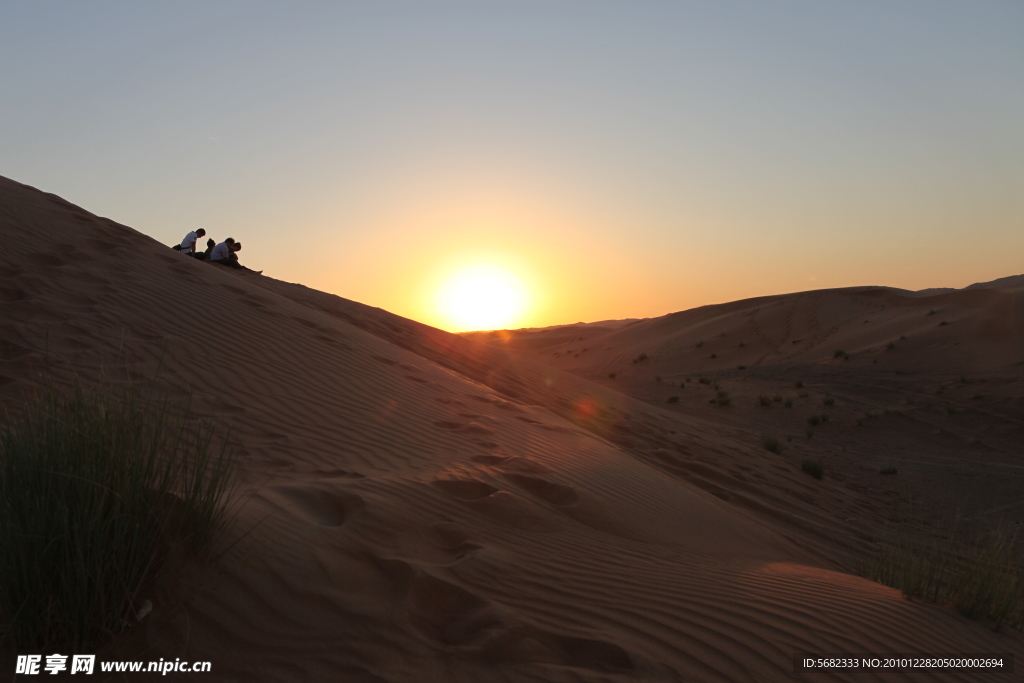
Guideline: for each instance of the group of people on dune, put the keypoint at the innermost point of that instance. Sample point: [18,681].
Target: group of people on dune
[225,253]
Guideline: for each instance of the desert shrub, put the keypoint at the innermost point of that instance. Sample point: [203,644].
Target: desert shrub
[887,470]
[94,489]
[943,323]
[828,402]
[788,403]
[798,385]
[722,398]
[839,353]
[657,378]
[777,398]
[812,468]
[704,380]
[764,400]
[641,358]
[813,420]
[982,574]
[771,443]
[714,355]
[741,367]
[890,346]
[700,344]
[611,375]
[672,399]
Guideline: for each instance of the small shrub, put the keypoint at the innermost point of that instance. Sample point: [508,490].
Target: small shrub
[777,398]
[963,379]
[890,346]
[672,399]
[798,385]
[809,432]
[828,402]
[804,394]
[700,344]
[771,443]
[657,378]
[714,355]
[943,323]
[741,367]
[812,468]
[611,375]
[764,400]
[788,403]
[641,358]
[723,399]
[860,422]
[813,420]
[887,470]
[742,345]
[839,353]
[704,380]
[931,312]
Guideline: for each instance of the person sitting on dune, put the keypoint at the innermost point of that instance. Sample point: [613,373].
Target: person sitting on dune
[222,253]
[237,247]
[188,245]
[210,244]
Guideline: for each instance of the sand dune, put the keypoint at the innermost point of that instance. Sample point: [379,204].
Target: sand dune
[417,506]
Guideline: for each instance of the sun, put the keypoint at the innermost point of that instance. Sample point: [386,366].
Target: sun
[481,297]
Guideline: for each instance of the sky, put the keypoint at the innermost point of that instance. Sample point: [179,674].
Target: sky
[615,159]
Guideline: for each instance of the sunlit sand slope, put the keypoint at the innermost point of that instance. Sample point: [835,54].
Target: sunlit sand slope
[418,507]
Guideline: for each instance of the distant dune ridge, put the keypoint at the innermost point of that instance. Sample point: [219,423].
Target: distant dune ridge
[420,506]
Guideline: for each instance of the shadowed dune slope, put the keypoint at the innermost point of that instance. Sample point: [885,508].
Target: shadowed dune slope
[415,506]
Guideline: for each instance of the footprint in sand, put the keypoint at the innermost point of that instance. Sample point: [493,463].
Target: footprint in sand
[321,506]
[468,490]
[556,494]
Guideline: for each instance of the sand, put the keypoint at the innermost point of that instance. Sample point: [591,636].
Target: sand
[413,505]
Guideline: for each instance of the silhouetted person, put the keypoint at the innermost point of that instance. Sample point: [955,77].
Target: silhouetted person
[222,253]
[188,245]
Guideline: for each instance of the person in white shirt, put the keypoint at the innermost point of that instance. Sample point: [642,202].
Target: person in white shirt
[188,245]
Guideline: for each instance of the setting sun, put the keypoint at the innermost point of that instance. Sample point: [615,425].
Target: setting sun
[482,297]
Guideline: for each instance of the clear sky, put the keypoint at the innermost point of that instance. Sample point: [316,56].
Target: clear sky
[618,159]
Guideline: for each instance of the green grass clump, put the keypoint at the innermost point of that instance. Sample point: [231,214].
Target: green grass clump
[813,468]
[981,574]
[93,492]
[771,443]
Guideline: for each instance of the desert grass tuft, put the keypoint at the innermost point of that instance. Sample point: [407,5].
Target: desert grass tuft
[772,444]
[94,490]
[813,468]
[982,574]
